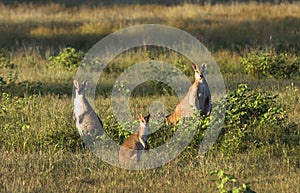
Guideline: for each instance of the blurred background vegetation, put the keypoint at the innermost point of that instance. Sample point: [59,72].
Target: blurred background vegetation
[255,43]
[141,2]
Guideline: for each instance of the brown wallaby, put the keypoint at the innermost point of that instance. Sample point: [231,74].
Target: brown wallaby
[132,148]
[197,98]
[87,121]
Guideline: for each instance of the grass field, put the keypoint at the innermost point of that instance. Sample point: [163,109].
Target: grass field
[41,148]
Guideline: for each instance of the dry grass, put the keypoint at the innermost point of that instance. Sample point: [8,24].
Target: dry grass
[65,172]
[219,24]
[32,33]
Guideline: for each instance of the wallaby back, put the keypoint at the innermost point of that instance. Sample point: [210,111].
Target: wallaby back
[87,121]
[203,98]
[132,148]
[197,98]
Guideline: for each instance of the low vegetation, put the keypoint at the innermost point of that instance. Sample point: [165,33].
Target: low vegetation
[259,144]
[271,65]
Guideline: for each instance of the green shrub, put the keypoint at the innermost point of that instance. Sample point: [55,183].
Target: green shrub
[252,119]
[227,183]
[271,65]
[116,131]
[67,58]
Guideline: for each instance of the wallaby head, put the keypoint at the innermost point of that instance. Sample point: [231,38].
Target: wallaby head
[143,130]
[80,88]
[199,71]
[144,121]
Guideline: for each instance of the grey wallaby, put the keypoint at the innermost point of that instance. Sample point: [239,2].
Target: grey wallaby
[87,121]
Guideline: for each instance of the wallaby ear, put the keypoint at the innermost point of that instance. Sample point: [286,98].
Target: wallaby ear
[194,66]
[147,117]
[140,116]
[203,66]
[84,83]
[76,84]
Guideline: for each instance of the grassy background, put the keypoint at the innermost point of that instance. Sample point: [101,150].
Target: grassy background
[41,149]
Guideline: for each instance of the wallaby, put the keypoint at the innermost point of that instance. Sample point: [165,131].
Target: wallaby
[88,123]
[132,148]
[198,97]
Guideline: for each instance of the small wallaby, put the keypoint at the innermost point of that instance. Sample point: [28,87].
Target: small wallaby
[87,121]
[197,98]
[132,148]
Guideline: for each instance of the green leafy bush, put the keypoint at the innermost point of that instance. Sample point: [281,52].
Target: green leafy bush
[67,58]
[248,116]
[271,65]
[227,183]
[116,131]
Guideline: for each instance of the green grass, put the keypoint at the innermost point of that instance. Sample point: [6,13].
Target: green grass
[41,148]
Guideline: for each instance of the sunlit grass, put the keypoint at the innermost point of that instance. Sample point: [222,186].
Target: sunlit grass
[32,162]
[62,172]
[218,24]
